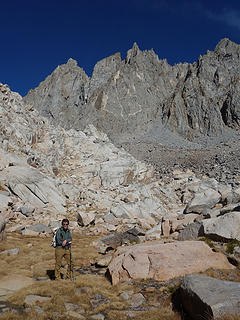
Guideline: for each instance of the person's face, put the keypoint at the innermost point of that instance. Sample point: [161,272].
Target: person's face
[65,225]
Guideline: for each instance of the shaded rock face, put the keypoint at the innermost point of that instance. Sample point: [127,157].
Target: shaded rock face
[164,261]
[191,232]
[145,97]
[209,298]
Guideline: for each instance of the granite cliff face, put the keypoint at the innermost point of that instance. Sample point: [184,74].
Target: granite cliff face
[143,97]
[61,94]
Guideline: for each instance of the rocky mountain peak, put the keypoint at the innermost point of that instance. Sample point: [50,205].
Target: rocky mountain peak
[103,70]
[226,46]
[133,52]
[60,94]
[143,97]
[72,62]
[223,43]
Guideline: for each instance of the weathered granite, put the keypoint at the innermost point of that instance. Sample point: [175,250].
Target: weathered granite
[164,261]
[143,96]
[208,298]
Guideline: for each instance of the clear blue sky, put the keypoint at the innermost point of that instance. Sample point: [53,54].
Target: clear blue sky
[37,36]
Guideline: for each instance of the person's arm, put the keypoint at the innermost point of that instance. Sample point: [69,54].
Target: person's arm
[59,238]
[69,240]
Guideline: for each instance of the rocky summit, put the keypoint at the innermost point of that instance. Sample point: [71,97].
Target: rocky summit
[142,97]
[143,159]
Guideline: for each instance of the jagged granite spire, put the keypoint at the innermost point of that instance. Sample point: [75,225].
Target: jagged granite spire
[142,96]
[103,70]
[226,46]
[132,52]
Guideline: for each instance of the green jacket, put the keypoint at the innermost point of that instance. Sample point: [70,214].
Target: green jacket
[62,235]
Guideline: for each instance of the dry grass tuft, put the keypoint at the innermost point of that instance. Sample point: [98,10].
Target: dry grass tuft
[229,317]
[163,314]
[66,291]
[229,275]
[33,315]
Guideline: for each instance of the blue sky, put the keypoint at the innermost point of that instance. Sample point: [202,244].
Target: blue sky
[37,36]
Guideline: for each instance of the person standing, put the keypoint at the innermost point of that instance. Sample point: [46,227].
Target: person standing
[63,243]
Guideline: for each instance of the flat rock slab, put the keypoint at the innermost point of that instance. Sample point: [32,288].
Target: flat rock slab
[75,315]
[11,252]
[164,261]
[10,284]
[6,306]
[33,187]
[208,298]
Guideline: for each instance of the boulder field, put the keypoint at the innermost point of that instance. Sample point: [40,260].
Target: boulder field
[61,155]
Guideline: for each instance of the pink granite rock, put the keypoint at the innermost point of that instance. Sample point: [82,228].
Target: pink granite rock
[162,262]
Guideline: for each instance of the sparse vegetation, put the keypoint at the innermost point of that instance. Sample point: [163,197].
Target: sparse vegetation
[231,245]
[36,257]
[172,289]
[229,275]
[207,241]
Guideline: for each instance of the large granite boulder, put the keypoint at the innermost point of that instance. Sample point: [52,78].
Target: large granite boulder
[225,227]
[39,227]
[208,298]
[204,200]
[191,232]
[162,262]
[113,241]
[85,219]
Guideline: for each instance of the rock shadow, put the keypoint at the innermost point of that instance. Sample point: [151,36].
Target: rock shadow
[177,305]
[51,274]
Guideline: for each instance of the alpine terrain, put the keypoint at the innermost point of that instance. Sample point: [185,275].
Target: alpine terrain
[143,159]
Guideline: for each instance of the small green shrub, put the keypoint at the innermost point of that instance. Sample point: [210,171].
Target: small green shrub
[231,245]
[207,241]
[173,289]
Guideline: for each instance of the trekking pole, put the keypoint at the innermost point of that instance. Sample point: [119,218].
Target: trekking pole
[71,264]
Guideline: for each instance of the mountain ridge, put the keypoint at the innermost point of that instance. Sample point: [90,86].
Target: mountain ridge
[128,98]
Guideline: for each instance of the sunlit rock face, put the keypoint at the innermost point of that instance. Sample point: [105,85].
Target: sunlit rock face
[62,94]
[142,97]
